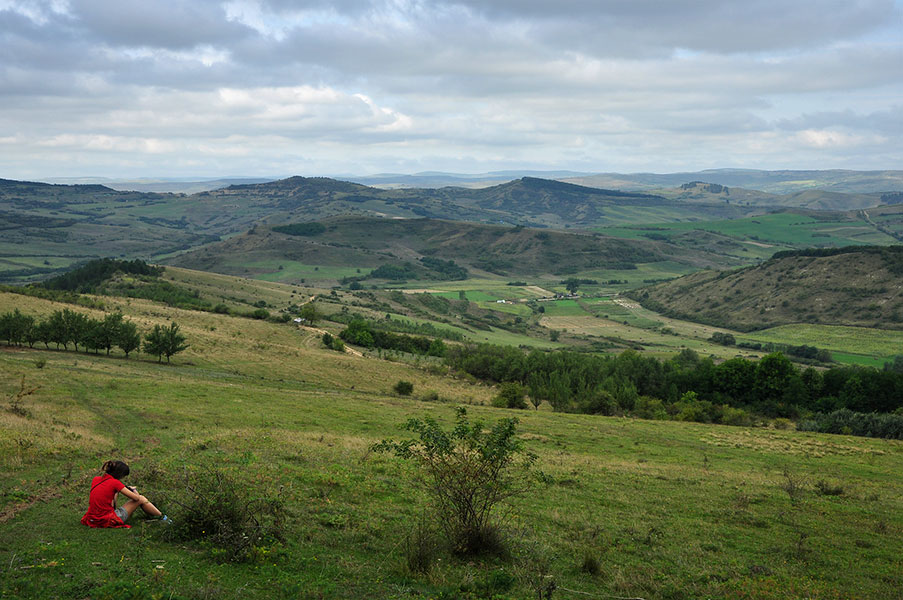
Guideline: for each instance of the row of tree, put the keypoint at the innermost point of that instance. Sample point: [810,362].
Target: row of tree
[362,333]
[67,327]
[618,384]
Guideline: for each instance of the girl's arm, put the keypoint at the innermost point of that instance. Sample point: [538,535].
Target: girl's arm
[128,493]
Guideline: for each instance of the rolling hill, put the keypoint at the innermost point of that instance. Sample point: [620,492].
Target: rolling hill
[368,243]
[47,228]
[861,286]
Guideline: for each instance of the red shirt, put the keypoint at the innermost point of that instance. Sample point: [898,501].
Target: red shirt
[100,503]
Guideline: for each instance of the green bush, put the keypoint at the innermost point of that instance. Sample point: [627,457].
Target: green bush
[468,471]
[511,395]
[403,388]
[212,507]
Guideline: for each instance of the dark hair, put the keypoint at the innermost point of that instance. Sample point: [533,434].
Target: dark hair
[116,468]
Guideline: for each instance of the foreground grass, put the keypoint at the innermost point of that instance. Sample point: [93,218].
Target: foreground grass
[664,510]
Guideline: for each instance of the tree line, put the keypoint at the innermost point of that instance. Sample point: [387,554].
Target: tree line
[67,327]
[687,386]
[363,333]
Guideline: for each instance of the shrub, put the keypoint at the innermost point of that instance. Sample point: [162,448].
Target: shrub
[421,546]
[590,565]
[828,489]
[404,388]
[468,471]
[215,508]
[511,395]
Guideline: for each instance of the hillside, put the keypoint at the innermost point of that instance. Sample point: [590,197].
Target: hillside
[860,286]
[261,410]
[367,243]
[812,199]
[46,228]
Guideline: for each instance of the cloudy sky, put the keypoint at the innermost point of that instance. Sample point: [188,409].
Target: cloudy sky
[131,88]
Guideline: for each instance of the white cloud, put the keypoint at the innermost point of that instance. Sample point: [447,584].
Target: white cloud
[270,86]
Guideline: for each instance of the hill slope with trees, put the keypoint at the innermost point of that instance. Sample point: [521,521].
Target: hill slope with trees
[373,243]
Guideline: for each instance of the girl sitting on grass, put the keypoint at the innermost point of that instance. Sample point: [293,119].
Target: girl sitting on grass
[102,511]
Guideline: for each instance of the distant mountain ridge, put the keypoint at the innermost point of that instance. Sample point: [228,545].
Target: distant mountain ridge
[46,227]
[776,182]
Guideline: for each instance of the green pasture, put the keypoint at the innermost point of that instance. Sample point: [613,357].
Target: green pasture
[847,358]
[562,308]
[472,296]
[619,507]
[837,338]
[519,309]
[784,229]
[609,309]
[292,271]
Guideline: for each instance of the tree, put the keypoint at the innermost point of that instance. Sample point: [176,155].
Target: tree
[44,332]
[108,331]
[468,472]
[91,337]
[437,348]
[511,395]
[164,341]
[74,327]
[154,342]
[725,339]
[127,338]
[773,375]
[310,313]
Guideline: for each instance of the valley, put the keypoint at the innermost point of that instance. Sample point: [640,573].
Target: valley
[664,349]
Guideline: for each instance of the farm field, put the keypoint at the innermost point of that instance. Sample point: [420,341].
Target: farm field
[763,235]
[288,271]
[663,509]
[878,343]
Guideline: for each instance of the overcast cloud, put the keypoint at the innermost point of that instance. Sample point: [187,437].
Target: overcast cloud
[128,88]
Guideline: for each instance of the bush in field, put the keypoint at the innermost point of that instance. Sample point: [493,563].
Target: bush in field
[404,388]
[333,343]
[212,507]
[725,339]
[469,472]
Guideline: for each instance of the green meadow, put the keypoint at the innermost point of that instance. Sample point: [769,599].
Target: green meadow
[862,341]
[616,507]
[776,231]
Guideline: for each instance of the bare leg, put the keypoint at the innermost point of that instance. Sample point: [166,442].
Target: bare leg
[147,507]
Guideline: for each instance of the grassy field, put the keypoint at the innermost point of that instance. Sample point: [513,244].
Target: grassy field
[877,343]
[787,229]
[623,507]
[757,238]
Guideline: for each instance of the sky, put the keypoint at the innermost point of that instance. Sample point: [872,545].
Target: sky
[271,88]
